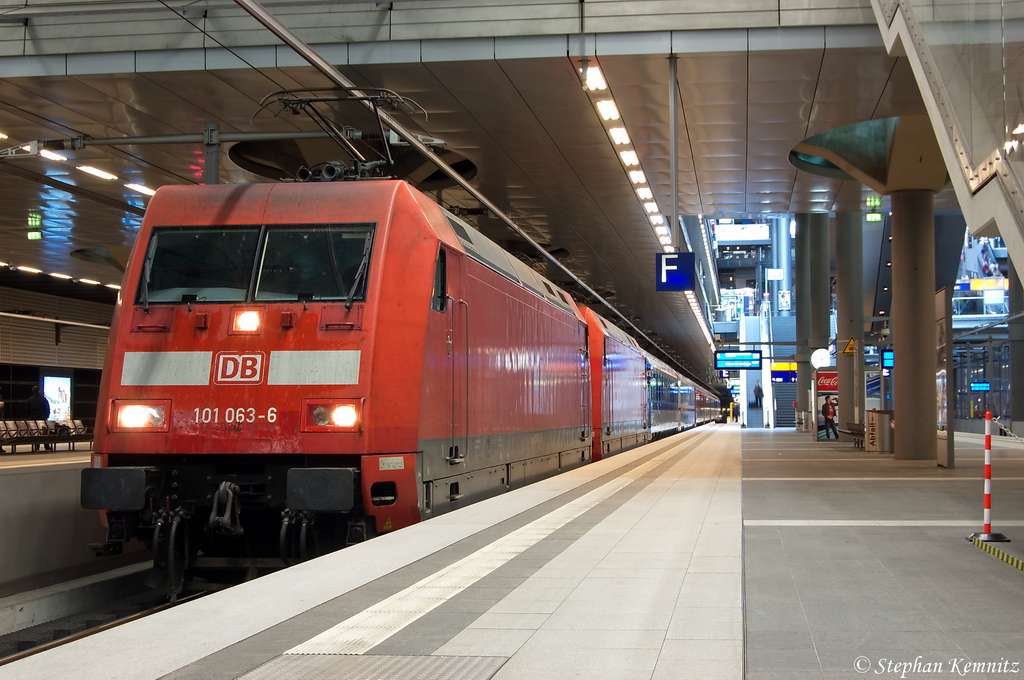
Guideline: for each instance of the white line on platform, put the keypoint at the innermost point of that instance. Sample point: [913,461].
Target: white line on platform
[868,523]
[367,629]
[877,479]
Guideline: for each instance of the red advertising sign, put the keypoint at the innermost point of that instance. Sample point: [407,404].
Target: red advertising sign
[828,381]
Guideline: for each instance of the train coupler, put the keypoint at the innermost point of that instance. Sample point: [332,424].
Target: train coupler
[225,517]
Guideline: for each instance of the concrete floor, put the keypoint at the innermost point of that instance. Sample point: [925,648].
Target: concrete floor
[856,563]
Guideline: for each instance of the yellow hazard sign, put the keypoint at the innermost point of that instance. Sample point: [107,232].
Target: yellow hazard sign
[851,346]
[387,524]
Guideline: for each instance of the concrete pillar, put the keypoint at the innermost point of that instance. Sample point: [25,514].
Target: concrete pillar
[1016,337]
[820,281]
[913,325]
[802,302]
[850,314]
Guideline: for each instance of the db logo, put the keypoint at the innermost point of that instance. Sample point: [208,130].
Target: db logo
[230,367]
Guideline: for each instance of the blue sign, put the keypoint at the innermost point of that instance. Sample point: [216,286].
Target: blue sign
[981,387]
[676,271]
[887,358]
[737,361]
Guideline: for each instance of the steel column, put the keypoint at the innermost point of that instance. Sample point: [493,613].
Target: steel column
[802,277]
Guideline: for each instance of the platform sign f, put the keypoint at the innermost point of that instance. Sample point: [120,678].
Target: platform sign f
[676,271]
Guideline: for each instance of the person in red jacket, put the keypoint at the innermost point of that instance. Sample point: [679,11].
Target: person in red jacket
[828,412]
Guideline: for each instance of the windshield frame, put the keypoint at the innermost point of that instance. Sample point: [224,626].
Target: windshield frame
[144,295]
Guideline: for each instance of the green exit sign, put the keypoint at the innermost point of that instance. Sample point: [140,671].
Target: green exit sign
[874,217]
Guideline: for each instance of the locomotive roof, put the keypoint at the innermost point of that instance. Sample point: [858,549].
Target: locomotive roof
[489,253]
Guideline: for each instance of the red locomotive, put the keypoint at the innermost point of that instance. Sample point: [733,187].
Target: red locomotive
[294,367]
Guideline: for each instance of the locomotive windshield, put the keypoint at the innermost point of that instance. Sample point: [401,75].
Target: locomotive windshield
[270,263]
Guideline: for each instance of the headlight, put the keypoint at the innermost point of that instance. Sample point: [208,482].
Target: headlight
[145,416]
[332,415]
[245,321]
[344,415]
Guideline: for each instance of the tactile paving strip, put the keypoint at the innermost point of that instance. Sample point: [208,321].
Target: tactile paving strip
[377,667]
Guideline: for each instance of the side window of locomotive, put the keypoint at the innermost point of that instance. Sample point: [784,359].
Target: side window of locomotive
[439,296]
[322,262]
[201,265]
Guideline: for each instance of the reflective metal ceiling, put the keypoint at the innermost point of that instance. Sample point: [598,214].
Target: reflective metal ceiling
[540,148]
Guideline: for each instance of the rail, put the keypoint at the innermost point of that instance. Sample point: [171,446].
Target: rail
[67,639]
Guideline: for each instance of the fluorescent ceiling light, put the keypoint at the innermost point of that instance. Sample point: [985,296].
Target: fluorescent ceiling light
[637,176]
[113,285]
[629,157]
[98,173]
[644,192]
[661,230]
[31,270]
[141,189]
[89,281]
[651,207]
[619,135]
[595,81]
[670,249]
[51,155]
[59,276]
[608,110]
[657,219]
[665,240]
[3,136]
[1019,130]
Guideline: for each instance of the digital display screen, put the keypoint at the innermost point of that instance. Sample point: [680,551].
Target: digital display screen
[887,358]
[981,387]
[737,360]
[57,391]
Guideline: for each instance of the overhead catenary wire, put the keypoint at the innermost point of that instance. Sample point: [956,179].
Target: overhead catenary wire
[289,38]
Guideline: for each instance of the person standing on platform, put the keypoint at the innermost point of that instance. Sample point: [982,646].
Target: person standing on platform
[39,409]
[758,394]
[2,449]
[828,412]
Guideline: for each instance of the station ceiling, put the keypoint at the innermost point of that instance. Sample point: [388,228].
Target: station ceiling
[539,147]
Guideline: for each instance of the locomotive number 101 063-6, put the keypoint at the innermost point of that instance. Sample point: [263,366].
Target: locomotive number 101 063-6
[233,415]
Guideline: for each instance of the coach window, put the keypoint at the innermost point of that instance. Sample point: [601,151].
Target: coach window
[439,298]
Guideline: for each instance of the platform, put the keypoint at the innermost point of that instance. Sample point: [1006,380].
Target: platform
[646,566]
[43,527]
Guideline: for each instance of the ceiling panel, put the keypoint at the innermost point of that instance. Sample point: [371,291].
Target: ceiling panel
[540,148]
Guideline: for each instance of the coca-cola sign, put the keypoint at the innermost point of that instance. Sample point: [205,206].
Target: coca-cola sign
[828,381]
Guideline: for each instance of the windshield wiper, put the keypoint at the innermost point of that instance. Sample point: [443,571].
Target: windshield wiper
[361,272]
[147,268]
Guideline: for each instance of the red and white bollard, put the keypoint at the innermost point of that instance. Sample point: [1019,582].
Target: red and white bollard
[986,534]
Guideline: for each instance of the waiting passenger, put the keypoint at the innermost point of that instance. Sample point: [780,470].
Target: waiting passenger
[39,409]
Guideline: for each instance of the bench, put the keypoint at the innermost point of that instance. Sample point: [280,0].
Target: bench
[34,433]
[856,431]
